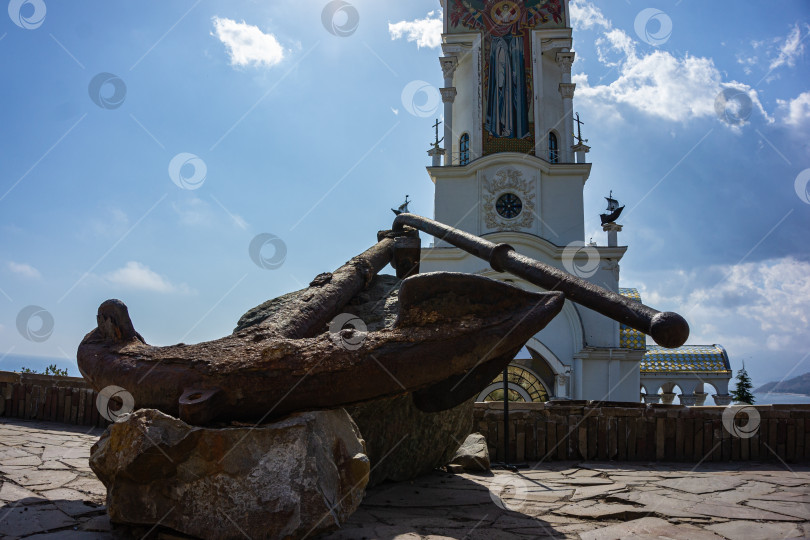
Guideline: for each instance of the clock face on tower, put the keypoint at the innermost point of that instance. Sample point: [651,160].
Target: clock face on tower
[509,205]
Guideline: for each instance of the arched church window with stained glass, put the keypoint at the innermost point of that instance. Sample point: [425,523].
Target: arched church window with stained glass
[553,148]
[464,149]
[523,385]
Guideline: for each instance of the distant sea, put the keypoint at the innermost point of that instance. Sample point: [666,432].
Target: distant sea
[786,399]
[13,362]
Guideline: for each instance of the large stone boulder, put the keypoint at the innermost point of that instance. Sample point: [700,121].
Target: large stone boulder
[296,477]
[404,442]
[473,455]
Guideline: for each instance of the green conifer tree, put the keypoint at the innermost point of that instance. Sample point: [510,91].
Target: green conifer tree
[743,394]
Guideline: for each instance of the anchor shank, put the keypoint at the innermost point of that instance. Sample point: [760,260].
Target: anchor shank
[666,328]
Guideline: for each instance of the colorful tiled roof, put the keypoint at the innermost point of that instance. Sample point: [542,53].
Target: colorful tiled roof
[630,338]
[686,359]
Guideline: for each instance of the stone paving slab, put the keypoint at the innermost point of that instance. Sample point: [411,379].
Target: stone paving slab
[48,491]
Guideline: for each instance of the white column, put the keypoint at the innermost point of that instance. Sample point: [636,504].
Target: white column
[722,399]
[580,150]
[448,97]
[540,114]
[578,376]
[449,64]
[562,385]
[652,398]
[436,154]
[566,138]
[613,230]
[565,59]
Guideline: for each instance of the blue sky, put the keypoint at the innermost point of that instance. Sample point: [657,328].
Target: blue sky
[300,131]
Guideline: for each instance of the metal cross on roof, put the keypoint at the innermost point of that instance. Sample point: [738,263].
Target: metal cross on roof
[438,140]
[580,140]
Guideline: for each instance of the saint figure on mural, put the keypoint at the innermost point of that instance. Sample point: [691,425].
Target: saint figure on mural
[507,113]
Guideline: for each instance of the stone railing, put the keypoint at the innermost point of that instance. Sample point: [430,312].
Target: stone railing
[592,430]
[44,397]
[556,430]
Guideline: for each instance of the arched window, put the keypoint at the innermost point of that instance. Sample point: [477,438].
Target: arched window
[464,149]
[523,386]
[553,149]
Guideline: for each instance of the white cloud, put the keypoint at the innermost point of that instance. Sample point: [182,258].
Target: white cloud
[661,85]
[747,62]
[774,293]
[757,305]
[24,270]
[796,111]
[790,50]
[425,32]
[658,83]
[246,44]
[135,275]
[105,222]
[195,212]
[585,16]
[615,43]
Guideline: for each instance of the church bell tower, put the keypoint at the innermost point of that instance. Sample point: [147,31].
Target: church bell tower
[508,100]
[514,172]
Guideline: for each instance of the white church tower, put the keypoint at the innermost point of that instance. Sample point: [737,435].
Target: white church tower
[514,172]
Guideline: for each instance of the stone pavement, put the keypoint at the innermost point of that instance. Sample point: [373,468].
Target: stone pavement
[48,491]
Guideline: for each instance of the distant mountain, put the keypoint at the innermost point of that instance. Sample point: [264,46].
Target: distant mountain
[796,385]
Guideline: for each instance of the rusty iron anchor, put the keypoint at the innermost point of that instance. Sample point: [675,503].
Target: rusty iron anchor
[447,324]
[454,333]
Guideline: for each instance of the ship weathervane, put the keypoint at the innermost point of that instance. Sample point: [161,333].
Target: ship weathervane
[403,208]
[613,210]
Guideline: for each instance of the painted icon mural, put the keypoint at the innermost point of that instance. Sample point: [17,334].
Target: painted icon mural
[506,111]
[507,73]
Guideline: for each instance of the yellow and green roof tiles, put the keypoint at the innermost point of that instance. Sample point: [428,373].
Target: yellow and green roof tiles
[630,338]
[686,359]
